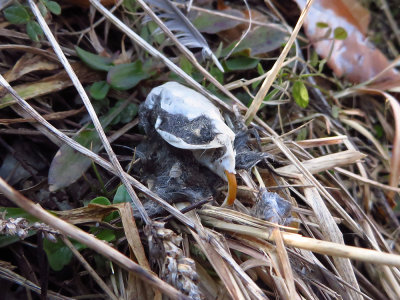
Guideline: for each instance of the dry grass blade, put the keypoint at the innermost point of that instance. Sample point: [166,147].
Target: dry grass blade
[51,116]
[221,268]
[223,14]
[27,64]
[388,13]
[243,83]
[389,276]
[357,126]
[255,105]
[7,274]
[91,111]
[324,163]
[331,232]
[132,233]
[30,49]
[285,264]
[216,252]
[366,180]
[241,218]
[87,239]
[96,212]
[355,227]
[332,140]
[87,214]
[395,159]
[50,84]
[314,245]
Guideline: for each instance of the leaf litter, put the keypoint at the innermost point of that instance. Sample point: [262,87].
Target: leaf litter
[314,214]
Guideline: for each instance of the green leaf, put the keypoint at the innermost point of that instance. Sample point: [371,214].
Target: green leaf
[258,42]
[322,25]
[212,24]
[217,74]
[300,94]
[106,235]
[321,65]
[241,63]
[34,31]
[16,212]
[104,201]
[54,7]
[126,115]
[99,90]
[126,76]
[130,5]
[186,65]
[260,69]
[335,111]
[121,195]
[340,33]
[100,200]
[96,62]
[42,9]
[378,131]
[157,36]
[314,58]
[58,254]
[270,95]
[17,14]
[302,134]
[6,240]
[68,165]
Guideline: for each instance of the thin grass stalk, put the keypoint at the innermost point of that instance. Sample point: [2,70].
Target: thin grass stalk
[91,111]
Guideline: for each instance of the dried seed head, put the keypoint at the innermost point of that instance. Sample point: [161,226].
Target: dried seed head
[175,268]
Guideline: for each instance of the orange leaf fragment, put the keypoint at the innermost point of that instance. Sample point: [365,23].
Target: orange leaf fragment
[354,58]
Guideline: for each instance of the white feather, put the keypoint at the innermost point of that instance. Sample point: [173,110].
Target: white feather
[187,34]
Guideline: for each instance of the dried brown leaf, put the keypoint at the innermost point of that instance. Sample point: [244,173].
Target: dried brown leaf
[354,57]
[88,214]
[29,63]
[325,162]
[49,84]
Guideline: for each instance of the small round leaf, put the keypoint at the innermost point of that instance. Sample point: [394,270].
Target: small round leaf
[340,33]
[34,30]
[54,7]
[125,76]
[300,94]
[42,9]
[242,63]
[96,62]
[322,25]
[99,90]
[127,114]
[17,14]
[100,200]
